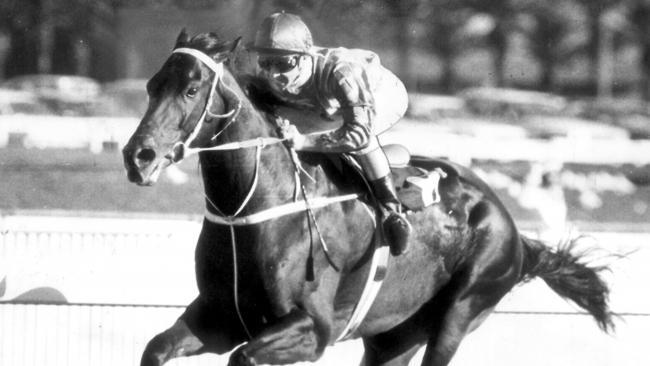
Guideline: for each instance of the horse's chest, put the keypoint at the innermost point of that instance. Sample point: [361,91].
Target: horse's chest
[281,283]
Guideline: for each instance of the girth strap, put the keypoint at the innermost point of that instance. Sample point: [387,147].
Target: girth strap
[277,211]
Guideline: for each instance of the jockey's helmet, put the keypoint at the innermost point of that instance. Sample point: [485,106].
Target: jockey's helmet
[283,33]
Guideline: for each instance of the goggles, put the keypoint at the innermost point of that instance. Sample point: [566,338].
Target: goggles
[279,64]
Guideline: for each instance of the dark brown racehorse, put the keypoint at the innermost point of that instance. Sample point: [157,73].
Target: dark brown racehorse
[465,255]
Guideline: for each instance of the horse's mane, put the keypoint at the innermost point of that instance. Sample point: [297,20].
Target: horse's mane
[255,87]
[258,91]
[209,42]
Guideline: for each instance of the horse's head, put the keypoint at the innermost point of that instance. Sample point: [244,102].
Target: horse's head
[186,108]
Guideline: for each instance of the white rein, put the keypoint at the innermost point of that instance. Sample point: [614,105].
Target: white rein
[217,68]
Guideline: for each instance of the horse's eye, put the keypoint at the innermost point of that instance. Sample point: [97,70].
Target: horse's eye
[191,92]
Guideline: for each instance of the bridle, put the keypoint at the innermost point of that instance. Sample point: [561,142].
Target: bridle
[182,149]
[259,143]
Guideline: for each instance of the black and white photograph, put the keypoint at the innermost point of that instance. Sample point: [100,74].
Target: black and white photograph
[324,182]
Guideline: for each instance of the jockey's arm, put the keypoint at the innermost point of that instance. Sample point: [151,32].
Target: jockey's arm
[351,136]
[357,112]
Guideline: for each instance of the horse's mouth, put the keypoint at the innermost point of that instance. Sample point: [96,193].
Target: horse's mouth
[149,176]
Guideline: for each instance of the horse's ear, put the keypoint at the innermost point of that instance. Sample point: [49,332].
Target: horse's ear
[182,39]
[228,50]
[234,45]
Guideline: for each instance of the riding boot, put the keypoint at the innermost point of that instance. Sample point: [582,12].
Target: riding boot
[396,227]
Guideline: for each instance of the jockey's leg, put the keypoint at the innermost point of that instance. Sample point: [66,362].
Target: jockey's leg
[375,165]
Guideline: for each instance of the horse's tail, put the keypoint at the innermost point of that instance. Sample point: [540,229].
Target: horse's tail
[569,276]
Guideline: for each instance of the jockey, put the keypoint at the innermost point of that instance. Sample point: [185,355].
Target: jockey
[347,82]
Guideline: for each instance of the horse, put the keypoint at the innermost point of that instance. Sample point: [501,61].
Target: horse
[280,289]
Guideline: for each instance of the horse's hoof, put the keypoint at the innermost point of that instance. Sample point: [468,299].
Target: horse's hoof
[157,351]
[239,358]
[150,360]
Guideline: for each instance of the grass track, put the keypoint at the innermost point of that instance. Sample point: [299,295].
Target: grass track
[68,179]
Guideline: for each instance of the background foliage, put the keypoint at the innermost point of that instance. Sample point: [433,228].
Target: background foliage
[551,38]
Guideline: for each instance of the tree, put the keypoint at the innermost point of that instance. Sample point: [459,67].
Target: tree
[20,19]
[638,15]
[503,14]
[78,37]
[595,9]
[444,21]
[599,46]
[547,25]
[401,13]
[49,36]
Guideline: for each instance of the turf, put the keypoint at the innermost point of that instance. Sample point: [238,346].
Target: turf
[59,179]
[79,180]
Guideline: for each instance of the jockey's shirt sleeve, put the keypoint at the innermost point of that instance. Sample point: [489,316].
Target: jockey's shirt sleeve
[349,86]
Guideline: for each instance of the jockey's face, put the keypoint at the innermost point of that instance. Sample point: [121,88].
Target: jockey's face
[286,73]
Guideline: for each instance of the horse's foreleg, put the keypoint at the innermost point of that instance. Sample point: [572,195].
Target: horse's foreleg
[203,327]
[375,357]
[294,338]
[176,341]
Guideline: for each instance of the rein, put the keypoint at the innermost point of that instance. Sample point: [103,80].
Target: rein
[380,257]
[217,68]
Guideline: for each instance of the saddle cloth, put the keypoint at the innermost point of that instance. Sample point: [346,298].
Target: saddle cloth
[416,186]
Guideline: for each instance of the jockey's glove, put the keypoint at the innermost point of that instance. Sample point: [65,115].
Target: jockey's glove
[292,136]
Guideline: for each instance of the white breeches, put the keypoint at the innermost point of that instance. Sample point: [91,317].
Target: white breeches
[391,101]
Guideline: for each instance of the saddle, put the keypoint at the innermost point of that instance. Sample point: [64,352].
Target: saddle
[416,178]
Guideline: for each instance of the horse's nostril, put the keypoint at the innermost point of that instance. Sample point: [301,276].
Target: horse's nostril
[146,156]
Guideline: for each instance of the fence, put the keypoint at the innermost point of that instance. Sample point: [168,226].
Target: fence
[80,291]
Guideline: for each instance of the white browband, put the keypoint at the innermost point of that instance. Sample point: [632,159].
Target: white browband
[217,67]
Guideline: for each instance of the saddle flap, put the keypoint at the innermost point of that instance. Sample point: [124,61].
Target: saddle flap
[398,155]
[417,187]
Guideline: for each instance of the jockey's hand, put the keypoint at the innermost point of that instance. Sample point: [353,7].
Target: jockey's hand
[293,137]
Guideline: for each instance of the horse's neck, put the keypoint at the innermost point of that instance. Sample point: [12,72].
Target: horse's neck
[229,176]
